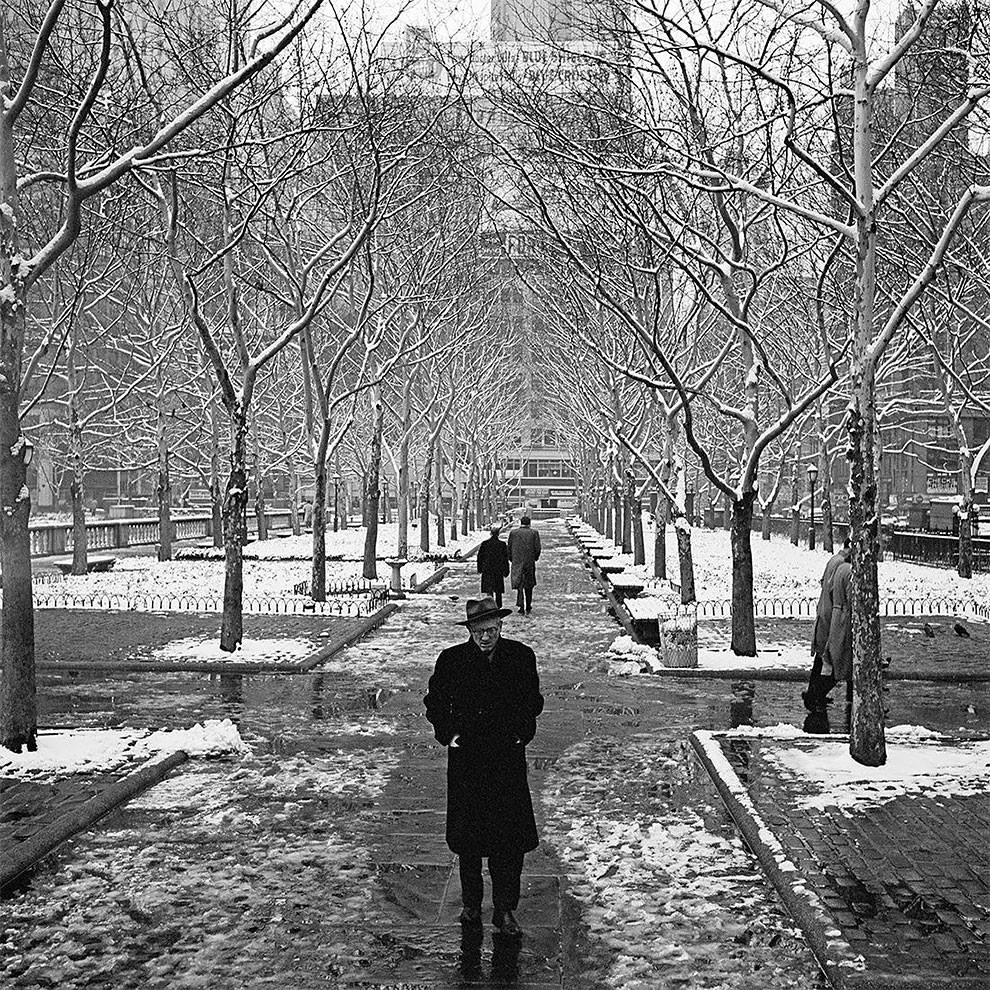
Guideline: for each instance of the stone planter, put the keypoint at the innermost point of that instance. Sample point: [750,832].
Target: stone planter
[679,641]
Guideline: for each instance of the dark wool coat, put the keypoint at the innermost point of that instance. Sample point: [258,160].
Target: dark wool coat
[493,564]
[524,552]
[823,614]
[840,636]
[492,705]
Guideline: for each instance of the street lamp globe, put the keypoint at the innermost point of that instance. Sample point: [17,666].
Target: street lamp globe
[812,473]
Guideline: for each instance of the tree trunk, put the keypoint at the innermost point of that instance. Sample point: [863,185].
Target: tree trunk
[373,493]
[617,516]
[660,541]
[79,534]
[294,506]
[743,622]
[965,563]
[685,559]
[76,490]
[424,501]
[866,737]
[466,506]
[402,495]
[18,698]
[234,537]
[216,510]
[318,572]
[765,524]
[639,549]
[259,511]
[164,494]
[627,519]
[441,535]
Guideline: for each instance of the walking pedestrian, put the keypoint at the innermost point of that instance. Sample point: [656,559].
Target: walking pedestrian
[838,658]
[814,696]
[524,552]
[493,565]
[483,701]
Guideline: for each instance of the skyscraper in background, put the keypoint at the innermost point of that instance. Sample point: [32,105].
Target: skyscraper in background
[543,21]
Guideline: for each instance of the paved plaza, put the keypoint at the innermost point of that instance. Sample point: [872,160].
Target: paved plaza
[319,860]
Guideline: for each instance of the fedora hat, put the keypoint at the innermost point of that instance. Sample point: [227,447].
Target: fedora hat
[483,608]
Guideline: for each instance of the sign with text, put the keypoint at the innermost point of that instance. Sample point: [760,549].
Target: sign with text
[941,484]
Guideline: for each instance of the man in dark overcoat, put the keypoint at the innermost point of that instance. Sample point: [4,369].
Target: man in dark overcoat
[814,697]
[524,552]
[483,701]
[493,565]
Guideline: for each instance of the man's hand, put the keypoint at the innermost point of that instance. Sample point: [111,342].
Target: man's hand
[454,744]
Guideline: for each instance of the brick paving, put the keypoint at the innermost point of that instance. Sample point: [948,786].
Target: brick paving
[907,881]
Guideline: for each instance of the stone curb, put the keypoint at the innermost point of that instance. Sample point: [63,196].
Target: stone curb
[27,854]
[364,626]
[832,952]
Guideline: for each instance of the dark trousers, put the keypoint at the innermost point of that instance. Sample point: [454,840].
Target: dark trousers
[819,686]
[498,598]
[524,598]
[505,870]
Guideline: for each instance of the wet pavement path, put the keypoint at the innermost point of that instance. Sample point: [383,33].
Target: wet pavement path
[320,861]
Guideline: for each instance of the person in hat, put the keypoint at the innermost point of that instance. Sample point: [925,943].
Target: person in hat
[493,565]
[524,552]
[483,700]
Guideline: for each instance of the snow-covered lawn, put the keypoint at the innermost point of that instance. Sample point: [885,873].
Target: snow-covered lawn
[272,569]
[783,571]
[206,649]
[349,544]
[916,767]
[62,752]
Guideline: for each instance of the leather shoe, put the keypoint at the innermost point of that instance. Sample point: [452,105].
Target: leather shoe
[470,917]
[506,923]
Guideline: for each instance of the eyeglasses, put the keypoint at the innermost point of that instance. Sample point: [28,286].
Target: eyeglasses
[482,631]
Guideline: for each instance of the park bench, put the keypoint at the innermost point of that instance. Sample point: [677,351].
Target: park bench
[99,563]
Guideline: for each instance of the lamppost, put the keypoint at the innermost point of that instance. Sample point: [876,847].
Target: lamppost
[812,478]
[336,502]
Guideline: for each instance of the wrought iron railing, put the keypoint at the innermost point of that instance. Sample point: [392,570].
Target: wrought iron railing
[365,604]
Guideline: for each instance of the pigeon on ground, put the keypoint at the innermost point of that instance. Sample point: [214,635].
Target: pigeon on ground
[960,630]
[929,630]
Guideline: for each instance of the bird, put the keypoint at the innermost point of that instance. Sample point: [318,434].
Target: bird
[960,630]
[929,630]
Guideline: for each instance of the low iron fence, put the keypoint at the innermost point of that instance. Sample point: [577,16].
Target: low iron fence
[344,607]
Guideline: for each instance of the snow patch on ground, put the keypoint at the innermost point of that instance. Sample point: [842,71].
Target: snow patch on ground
[833,779]
[68,751]
[206,649]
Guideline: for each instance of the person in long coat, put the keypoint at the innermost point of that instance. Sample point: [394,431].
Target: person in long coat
[524,552]
[814,696]
[493,565]
[839,650]
[483,701]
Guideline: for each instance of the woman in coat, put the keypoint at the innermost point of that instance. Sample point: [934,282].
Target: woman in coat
[524,552]
[493,565]
[483,701]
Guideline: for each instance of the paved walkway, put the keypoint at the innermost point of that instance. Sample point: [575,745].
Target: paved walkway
[320,861]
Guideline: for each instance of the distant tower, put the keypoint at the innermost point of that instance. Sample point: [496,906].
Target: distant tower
[544,21]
